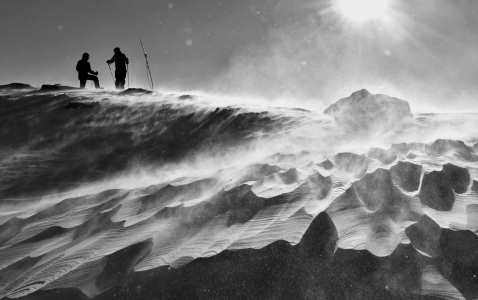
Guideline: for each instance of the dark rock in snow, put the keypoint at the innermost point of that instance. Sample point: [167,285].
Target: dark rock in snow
[135,91]
[363,113]
[185,97]
[16,86]
[56,87]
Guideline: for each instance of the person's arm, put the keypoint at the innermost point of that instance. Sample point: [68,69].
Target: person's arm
[112,60]
[126,59]
[78,67]
[91,71]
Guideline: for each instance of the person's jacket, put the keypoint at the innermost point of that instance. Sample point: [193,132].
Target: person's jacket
[120,61]
[83,67]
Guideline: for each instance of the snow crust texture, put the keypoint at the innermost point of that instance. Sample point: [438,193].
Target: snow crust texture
[78,212]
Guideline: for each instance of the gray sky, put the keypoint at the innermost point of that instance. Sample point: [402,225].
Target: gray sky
[424,51]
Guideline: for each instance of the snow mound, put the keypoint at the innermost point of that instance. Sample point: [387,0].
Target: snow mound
[363,113]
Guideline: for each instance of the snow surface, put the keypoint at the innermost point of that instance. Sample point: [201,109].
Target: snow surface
[169,180]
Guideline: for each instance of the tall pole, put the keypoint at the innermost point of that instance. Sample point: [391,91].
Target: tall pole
[148,71]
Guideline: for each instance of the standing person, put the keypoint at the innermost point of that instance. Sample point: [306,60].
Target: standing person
[83,67]
[120,61]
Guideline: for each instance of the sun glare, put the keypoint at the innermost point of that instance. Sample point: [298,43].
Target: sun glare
[362,10]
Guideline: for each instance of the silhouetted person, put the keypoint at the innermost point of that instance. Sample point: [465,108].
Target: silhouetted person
[83,67]
[120,61]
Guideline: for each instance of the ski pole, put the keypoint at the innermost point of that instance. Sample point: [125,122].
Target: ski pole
[111,74]
[127,71]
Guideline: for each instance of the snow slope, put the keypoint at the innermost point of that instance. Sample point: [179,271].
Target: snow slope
[98,188]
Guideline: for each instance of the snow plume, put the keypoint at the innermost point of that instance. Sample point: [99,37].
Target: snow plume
[313,55]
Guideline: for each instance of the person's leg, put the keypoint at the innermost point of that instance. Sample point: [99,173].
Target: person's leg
[95,80]
[82,83]
[118,77]
[123,78]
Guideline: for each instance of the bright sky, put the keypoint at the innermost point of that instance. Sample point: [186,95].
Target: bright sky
[424,51]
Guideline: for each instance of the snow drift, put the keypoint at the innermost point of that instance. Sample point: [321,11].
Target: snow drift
[101,190]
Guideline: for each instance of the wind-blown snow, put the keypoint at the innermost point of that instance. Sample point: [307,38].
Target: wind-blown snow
[162,181]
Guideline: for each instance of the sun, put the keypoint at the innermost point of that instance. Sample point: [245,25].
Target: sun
[362,10]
